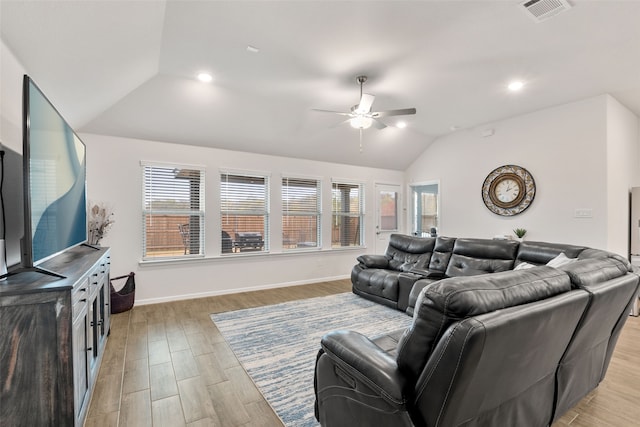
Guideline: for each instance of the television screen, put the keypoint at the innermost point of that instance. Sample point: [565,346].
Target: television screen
[54,180]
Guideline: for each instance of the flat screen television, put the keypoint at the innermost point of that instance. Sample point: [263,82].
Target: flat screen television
[54,166]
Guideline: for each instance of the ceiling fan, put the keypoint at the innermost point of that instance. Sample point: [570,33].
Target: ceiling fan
[361,117]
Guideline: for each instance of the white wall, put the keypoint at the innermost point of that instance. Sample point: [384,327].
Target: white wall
[11,72]
[114,177]
[566,150]
[623,166]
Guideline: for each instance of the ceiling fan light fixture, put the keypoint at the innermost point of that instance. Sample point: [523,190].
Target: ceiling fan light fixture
[361,122]
[401,125]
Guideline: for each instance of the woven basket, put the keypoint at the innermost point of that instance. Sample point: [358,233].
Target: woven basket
[123,299]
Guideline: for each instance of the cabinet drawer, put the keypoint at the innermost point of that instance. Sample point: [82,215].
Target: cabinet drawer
[79,297]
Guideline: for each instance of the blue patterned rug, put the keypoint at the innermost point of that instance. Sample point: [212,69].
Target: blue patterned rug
[277,344]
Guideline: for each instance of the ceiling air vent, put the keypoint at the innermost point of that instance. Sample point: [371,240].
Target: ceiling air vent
[539,10]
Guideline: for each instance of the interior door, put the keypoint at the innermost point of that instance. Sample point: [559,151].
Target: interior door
[387,214]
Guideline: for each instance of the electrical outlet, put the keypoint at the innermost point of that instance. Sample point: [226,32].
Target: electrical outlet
[583,213]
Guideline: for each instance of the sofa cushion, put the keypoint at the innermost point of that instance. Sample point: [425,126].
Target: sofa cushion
[588,272]
[405,252]
[590,253]
[441,253]
[540,253]
[444,302]
[479,256]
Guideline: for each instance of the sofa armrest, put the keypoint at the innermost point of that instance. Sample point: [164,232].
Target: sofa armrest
[374,261]
[429,274]
[366,362]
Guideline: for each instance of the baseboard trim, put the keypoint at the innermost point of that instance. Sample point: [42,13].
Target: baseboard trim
[172,298]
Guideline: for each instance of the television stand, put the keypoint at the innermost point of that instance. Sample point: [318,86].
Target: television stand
[57,331]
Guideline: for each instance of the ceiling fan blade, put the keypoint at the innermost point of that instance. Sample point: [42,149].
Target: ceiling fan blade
[366,101]
[339,124]
[401,112]
[331,111]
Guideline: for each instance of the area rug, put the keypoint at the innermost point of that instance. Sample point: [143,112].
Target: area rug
[277,344]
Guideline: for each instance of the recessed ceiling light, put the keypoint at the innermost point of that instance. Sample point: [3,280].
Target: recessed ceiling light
[252,49]
[515,85]
[401,125]
[205,77]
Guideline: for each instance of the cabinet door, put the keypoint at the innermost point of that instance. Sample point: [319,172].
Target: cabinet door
[93,336]
[80,366]
[34,343]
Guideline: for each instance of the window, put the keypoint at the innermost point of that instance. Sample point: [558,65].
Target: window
[173,211]
[424,208]
[347,214]
[300,213]
[244,204]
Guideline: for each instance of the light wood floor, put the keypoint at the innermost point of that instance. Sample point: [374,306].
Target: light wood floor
[168,365]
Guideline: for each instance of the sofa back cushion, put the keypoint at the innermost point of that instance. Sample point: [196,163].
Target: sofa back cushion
[480,256]
[540,253]
[442,253]
[447,301]
[405,252]
[590,253]
[585,273]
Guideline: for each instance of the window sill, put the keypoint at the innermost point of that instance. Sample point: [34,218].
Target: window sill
[244,255]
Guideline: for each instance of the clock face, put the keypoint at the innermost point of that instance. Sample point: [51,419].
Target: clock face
[508,190]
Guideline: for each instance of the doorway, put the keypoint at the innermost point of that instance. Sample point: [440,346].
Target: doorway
[387,214]
[425,208]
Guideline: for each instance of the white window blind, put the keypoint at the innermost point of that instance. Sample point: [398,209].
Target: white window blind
[244,209]
[347,206]
[172,211]
[300,213]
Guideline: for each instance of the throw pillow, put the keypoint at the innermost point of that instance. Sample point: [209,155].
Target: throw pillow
[561,260]
[524,266]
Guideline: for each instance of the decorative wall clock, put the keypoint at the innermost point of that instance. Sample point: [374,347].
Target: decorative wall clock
[508,190]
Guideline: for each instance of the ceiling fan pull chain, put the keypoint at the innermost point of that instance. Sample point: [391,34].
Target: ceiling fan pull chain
[360,140]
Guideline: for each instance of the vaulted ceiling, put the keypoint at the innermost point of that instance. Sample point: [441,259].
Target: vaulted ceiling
[127,68]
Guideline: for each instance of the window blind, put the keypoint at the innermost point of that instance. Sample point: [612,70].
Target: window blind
[244,212]
[347,205]
[301,209]
[173,211]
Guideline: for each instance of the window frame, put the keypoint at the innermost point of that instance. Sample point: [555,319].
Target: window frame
[236,248]
[287,212]
[199,212]
[360,215]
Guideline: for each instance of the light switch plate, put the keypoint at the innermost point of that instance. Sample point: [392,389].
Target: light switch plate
[583,213]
